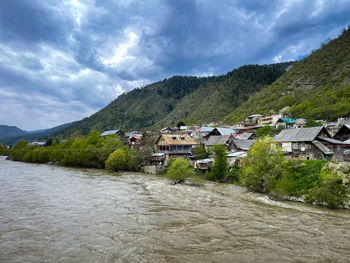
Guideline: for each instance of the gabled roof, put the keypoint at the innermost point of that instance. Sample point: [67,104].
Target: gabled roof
[217,139]
[243,144]
[245,136]
[109,132]
[175,139]
[330,140]
[225,131]
[300,134]
[206,129]
[344,128]
[237,154]
[288,120]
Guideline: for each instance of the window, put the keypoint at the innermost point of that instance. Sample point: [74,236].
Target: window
[182,138]
[174,138]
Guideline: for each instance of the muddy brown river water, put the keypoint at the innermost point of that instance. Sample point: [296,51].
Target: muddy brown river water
[58,214]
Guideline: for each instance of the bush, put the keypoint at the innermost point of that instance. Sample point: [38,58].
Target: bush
[179,170]
[117,161]
[330,191]
[264,163]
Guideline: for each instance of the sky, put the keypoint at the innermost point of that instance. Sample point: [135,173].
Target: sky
[63,60]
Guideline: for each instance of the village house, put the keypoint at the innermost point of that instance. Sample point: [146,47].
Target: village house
[299,123]
[343,133]
[166,130]
[286,123]
[235,158]
[175,144]
[332,128]
[118,133]
[254,118]
[220,131]
[246,136]
[216,140]
[203,165]
[199,134]
[306,143]
[239,145]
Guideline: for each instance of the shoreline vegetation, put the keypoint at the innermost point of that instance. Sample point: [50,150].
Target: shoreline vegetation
[264,170]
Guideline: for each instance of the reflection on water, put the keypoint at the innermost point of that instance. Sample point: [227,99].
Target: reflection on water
[56,214]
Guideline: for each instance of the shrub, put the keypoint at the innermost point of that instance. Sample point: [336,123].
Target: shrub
[179,170]
[330,191]
[117,160]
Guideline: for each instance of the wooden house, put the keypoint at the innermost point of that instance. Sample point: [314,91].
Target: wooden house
[175,144]
[343,133]
[216,140]
[305,143]
[220,132]
[239,145]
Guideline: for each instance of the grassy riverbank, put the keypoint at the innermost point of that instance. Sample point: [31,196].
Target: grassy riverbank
[264,170]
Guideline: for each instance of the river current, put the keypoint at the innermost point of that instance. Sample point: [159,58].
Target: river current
[58,214]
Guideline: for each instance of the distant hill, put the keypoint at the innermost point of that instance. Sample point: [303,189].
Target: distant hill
[30,135]
[317,86]
[6,131]
[180,98]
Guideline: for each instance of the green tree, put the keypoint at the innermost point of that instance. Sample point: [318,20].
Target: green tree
[117,160]
[200,152]
[179,170]
[312,123]
[264,163]
[264,131]
[220,167]
[21,144]
[330,191]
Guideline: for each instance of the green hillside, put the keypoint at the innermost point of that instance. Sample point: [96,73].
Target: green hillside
[316,87]
[190,99]
[211,102]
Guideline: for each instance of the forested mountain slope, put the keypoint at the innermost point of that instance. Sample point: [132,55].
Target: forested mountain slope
[211,102]
[317,86]
[189,99]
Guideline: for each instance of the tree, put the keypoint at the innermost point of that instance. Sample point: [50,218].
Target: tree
[179,170]
[312,123]
[49,142]
[180,123]
[264,163]
[200,152]
[117,160]
[220,167]
[21,144]
[264,131]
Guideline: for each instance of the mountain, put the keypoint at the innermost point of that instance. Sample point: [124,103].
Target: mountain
[316,87]
[216,99]
[6,131]
[180,98]
[29,136]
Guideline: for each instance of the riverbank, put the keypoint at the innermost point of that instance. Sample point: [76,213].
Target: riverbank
[264,170]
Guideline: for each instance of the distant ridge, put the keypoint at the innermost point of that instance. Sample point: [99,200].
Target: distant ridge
[317,87]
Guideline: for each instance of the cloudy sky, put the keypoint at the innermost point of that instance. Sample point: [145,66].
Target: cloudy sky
[63,60]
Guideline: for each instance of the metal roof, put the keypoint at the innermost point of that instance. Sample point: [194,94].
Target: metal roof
[158,155]
[109,132]
[243,144]
[330,140]
[299,135]
[217,139]
[205,161]
[225,131]
[323,148]
[245,136]
[206,129]
[237,154]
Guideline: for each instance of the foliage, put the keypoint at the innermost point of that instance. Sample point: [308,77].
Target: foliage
[179,170]
[264,163]
[330,191]
[200,152]
[264,131]
[233,174]
[117,161]
[21,144]
[220,167]
[312,123]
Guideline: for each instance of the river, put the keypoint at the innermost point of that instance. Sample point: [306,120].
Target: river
[58,214]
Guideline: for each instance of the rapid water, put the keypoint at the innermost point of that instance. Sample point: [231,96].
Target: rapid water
[57,214]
